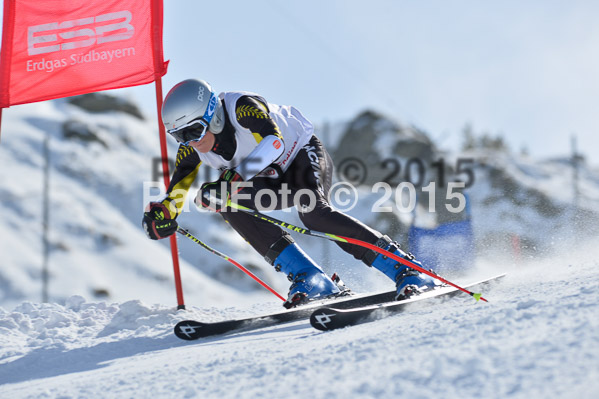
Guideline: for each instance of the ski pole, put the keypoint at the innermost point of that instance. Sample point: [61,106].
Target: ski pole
[187,234]
[349,240]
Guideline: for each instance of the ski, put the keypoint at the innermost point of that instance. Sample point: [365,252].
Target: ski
[330,318]
[190,330]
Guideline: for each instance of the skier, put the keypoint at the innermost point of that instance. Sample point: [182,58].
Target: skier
[269,147]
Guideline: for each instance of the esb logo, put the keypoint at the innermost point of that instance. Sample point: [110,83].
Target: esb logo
[83,32]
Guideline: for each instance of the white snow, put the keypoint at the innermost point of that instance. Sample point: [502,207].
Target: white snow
[96,205]
[536,338]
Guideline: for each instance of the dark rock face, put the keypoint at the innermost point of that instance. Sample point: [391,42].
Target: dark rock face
[505,199]
[101,102]
[378,142]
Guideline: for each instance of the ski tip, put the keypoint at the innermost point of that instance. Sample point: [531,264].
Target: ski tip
[322,319]
[189,330]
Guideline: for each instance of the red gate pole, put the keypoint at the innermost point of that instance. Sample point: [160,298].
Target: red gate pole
[166,176]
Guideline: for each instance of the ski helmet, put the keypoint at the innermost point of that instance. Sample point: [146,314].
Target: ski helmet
[190,108]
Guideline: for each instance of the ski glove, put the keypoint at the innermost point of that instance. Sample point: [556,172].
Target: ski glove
[215,195]
[157,221]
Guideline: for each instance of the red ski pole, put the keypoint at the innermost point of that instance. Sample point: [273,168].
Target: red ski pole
[187,234]
[354,241]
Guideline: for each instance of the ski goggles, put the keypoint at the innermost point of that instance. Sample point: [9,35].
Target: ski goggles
[197,128]
[192,131]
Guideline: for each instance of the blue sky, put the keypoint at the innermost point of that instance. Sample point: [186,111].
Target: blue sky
[529,70]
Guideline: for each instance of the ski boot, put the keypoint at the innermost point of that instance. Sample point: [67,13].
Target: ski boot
[307,278]
[408,281]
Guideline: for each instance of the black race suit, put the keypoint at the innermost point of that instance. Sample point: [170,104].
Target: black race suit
[312,169]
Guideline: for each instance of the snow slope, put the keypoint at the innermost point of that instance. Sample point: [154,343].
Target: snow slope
[97,198]
[536,338]
[96,202]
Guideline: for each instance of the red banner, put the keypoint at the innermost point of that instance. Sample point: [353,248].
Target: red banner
[61,48]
